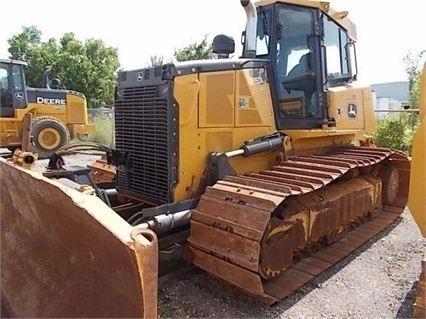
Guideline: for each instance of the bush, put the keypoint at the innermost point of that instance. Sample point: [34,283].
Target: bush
[396,131]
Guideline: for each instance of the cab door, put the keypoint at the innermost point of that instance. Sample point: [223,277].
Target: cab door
[12,89]
[6,103]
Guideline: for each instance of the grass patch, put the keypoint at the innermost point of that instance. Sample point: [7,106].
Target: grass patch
[104,129]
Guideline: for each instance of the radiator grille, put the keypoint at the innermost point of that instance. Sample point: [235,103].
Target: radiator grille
[142,130]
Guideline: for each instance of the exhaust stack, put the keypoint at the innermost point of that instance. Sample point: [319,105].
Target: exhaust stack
[46,78]
[251,29]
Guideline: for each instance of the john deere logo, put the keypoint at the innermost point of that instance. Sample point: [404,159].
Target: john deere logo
[352,111]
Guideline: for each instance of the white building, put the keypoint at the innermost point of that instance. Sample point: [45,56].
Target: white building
[390,96]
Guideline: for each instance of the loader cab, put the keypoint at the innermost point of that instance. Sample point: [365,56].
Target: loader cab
[12,87]
[309,53]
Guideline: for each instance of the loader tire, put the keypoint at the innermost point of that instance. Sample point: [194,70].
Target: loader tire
[48,135]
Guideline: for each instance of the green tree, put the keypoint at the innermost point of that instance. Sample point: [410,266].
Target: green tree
[89,67]
[195,51]
[413,66]
[397,130]
[27,46]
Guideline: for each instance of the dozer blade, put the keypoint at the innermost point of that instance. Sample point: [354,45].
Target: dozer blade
[270,233]
[67,254]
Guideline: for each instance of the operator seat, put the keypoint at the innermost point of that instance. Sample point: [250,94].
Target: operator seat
[302,78]
[303,67]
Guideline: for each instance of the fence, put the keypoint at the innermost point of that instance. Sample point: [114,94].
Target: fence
[412,115]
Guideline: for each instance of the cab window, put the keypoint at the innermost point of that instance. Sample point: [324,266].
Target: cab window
[4,87]
[18,83]
[336,43]
[295,62]
[4,75]
[263,37]
[6,102]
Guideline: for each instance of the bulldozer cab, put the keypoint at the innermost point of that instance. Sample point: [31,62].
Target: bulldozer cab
[12,87]
[309,53]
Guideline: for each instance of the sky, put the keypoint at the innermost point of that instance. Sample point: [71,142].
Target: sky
[387,30]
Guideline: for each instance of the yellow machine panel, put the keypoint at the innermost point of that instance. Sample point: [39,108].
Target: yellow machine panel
[253,99]
[417,195]
[352,107]
[199,138]
[417,198]
[216,99]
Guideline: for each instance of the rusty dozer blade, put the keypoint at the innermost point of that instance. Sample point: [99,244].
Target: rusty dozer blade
[67,254]
[270,233]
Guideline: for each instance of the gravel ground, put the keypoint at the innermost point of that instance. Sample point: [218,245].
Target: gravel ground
[378,281]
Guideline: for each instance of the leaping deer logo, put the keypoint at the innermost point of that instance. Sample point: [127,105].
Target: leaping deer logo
[352,111]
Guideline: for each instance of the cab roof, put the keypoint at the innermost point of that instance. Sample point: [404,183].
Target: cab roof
[8,61]
[340,17]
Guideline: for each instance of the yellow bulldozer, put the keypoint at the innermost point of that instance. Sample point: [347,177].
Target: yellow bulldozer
[57,115]
[256,169]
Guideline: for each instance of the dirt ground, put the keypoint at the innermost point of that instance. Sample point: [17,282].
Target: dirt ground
[378,281]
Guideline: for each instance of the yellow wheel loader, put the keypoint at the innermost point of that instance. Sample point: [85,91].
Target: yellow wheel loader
[57,115]
[256,169]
